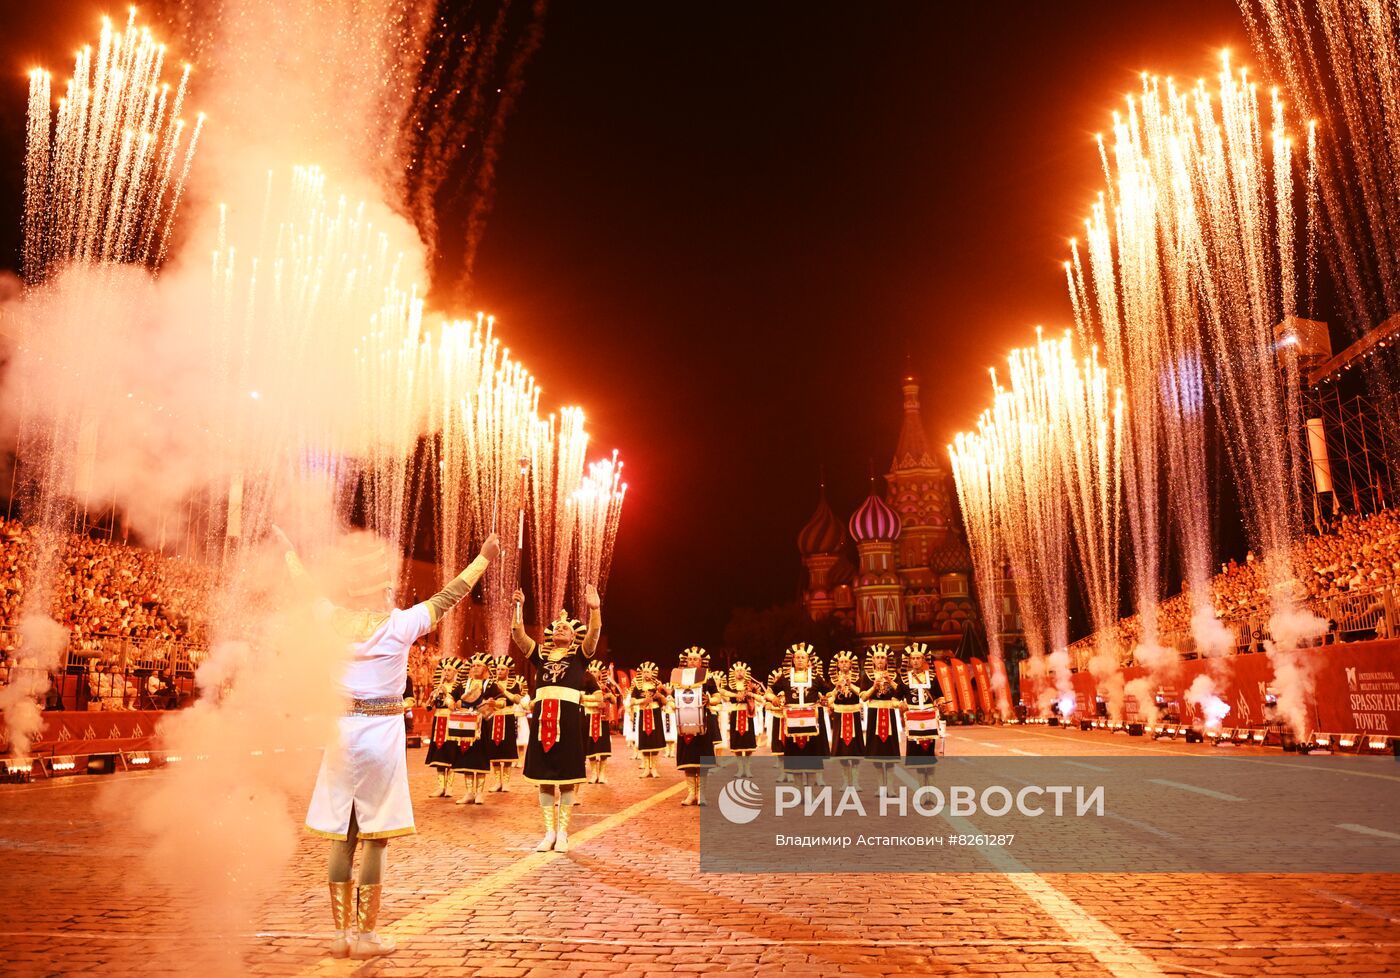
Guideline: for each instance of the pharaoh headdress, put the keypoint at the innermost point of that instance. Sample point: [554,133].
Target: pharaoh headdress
[579,629]
[891,660]
[848,661]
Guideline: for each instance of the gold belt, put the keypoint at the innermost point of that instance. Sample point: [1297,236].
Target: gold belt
[843,708]
[883,704]
[564,693]
[382,706]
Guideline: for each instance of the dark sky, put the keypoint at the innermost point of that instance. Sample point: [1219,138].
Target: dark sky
[721,227]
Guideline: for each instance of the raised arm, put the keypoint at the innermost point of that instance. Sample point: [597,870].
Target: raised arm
[522,641]
[595,621]
[461,585]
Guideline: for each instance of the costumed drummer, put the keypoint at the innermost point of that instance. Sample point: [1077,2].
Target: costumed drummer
[502,731]
[923,699]
[597,734]
[798,692]
[441,751]
[480,699]
[648,697]
[846,705]
[554,759]
[743,693]
[884,700]
[361,791]
[691,691]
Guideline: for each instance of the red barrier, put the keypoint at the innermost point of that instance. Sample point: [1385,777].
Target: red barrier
[76,734]
[962,679]
[945,682]
[983,685]
[1356,688]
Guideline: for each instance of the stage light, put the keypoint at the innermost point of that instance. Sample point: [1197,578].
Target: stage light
[63,765]
[1242,735]
[1259,736]
[1321,742]
[138,760]
[1346,741]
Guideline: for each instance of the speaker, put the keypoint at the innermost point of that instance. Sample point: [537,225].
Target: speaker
[102,764]
[1135,730]
[1054,721]
[413,741]
[1194,736]
[1086,724]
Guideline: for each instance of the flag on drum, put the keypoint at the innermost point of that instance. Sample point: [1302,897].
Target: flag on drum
[801,721]
[922,723]
[461,726]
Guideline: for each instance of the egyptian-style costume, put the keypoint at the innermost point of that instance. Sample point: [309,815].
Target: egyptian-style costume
[847,731]
[922,696]
[502,730]
[648,697]
[597,731]
[884,699]
[442,751]
[800,692]
[742,692]
[367,772]
[478,695]
[691,691]
[776,734]
[361,791]
[555,755]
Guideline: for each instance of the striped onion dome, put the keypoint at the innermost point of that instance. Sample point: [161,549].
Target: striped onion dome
[822,534]
[874,521]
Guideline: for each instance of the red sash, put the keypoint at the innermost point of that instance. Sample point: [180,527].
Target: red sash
[882,724]
[549,724]
[439,730]
[741,720]
[647,723]
[595,726]
[498,728]
[848,727]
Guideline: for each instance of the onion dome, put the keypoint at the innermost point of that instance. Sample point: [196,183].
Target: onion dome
[822,534]
[951,558]
[874,520]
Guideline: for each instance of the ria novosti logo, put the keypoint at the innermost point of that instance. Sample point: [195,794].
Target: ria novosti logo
[740,801]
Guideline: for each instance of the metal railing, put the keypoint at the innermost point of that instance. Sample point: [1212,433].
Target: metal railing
[79,687]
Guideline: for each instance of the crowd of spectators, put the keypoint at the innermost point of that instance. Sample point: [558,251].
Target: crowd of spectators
[1357,555]
[132,615]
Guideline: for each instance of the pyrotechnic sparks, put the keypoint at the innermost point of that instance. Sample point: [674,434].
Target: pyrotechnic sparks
[599,501]
[105,174]
[558,451]
[975,473]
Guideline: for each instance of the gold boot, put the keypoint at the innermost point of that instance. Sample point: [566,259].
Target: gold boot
[368,943]
[547,843]
[441,790]
[561,842]
[343,913]
[699,789]
[689,798]
[480,780]
[602,777]
[505,777]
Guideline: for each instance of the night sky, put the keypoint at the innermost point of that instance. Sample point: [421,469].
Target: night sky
[723,227]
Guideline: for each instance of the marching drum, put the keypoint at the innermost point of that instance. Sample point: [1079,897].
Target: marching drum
[922,724]
[461,725]
[802,721]
[690,709]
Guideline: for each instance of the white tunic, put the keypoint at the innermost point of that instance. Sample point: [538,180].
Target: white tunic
[367,770]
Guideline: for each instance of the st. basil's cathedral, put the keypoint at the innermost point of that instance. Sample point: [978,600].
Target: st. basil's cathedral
[912,579]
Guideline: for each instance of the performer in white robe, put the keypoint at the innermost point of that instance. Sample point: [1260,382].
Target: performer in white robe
[361,790]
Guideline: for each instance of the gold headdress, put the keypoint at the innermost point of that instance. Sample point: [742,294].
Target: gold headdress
[647,671]
[577,627]
[813,662]
[891,659]
[848,661]
[481,659]
[704,656]
[448,668]
[505,662]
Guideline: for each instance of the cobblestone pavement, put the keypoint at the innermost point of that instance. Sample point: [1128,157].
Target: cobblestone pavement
[467,896]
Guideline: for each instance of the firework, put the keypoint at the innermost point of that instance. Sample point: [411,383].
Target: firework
[105,173]
[599,503]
